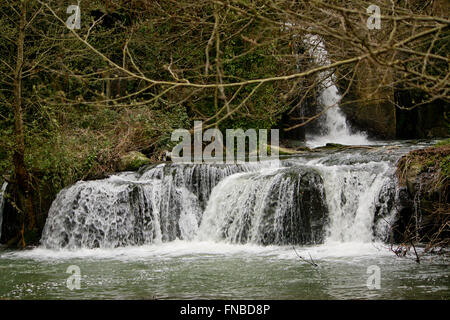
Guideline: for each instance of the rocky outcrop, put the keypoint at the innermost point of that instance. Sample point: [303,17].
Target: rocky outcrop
[424,122]
[369,104]
[304,219]
[424,197]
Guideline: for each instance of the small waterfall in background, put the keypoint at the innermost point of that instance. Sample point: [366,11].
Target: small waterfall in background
[334,125]
[321,198]
[2,204]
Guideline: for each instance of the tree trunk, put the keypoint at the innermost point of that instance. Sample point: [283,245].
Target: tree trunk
[22,176]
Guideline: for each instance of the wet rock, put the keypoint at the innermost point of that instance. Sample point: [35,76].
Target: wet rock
[369,105]
[424,195]
[412,177]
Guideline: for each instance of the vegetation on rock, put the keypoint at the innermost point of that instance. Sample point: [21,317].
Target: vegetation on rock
[426,175]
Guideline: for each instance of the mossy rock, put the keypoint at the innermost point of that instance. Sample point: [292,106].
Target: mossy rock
[334,146]
[412,176]
[287,151]
[425,172]
[331,146]
[133,161]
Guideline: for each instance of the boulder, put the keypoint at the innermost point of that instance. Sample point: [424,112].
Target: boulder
[132,161]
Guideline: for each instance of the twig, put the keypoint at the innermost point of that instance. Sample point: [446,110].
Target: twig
[417,256]
[303,259]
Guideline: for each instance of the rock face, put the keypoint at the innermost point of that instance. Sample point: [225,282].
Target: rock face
[133,161]
[427,121]
[424,196]
[369,106]
[304,221]
[373,109]
[441,7]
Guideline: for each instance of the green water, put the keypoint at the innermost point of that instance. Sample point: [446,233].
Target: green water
[185,270]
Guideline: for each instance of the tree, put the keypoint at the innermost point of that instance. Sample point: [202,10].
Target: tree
[22,177]
[33,68]
[213,47]
[74,101]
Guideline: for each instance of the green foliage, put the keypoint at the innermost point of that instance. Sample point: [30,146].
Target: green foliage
[442,143]
[445,167]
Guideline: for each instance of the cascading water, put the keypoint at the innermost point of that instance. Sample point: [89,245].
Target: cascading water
[331,198]
[2,204]
[356,196]
[183,231]
[272,206]
[319,198]
[334,125]
[160,204]
[119,212]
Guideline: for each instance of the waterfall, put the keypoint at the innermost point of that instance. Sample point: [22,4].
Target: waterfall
[339,197]
[2,204]
[281,206]
[334,125]
[159,204]
[356,196]
[312,199]
[119,212]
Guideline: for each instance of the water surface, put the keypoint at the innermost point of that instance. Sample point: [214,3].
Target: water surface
[207,270]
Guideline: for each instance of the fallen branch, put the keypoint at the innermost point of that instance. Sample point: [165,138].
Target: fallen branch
[303,259]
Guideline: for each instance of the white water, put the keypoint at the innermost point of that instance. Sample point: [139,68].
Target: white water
[2,204]
[331,199]
[265,207]
[334,126]
[160,205]
[211,249]
[354,193]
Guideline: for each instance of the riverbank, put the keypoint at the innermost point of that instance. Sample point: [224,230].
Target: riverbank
[425,176]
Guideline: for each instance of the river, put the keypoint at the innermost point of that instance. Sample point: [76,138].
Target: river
[312,226]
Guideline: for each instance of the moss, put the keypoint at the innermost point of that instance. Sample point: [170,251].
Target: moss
[286,151]
[445,167]
[333,146]
[133,161]
[433,160]
[442,143]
